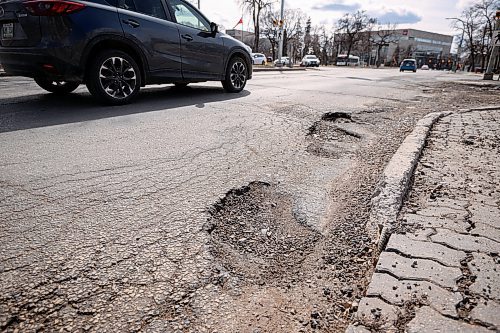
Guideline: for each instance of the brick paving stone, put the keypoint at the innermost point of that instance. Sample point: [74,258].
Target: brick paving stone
[374,312]
[433,222]
[428,320]
[425,250]
[485,230]
[487,312]
[487,272]
[485,214]
[452,213]
[418,269]
[450,203]
[397,292]
[465,242]
[357,329]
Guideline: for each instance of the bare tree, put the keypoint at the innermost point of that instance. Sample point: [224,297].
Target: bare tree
[468,24]
[351,27]
[382,37]
[256,8]
[292,29]
[485,10]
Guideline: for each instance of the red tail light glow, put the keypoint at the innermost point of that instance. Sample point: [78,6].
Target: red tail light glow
[52,7]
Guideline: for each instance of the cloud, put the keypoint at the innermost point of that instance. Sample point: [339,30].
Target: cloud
[398,17]
[338,6]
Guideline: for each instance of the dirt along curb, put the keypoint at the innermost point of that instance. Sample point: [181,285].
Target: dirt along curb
[277,69]
[396,180]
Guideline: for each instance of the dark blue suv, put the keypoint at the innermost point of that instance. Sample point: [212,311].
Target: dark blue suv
[117,46]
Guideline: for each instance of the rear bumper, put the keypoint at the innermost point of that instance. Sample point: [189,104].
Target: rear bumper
[35,62]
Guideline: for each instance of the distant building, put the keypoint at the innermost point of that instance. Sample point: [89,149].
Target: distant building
[246,37]
[426,47]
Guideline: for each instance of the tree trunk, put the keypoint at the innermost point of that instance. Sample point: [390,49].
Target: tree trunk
[379,48]
[349,48]
[257,30]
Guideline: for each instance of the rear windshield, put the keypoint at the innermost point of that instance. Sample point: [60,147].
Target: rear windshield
[409,63]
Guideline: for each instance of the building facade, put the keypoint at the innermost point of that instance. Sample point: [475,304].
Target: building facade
[246,37]
[428,48]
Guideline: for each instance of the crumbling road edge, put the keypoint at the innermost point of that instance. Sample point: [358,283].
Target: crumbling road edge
[396,180]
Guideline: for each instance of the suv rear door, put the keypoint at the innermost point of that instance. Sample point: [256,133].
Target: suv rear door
[202,52]
[147,23]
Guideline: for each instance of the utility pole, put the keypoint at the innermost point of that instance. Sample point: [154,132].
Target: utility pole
[199,4]
[280,45]
[496,48]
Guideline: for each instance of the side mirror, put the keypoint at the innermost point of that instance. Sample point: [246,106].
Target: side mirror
[214,28]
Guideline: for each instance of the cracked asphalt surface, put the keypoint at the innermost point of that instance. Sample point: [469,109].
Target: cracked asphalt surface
[104,210]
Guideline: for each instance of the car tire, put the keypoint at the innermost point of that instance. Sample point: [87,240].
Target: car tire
[56,87]
[114,77]
[236,75]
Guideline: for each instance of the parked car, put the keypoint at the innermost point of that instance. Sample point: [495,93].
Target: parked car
[117,47]
[408,65]
[258,59]
[284,60]
[425,67]
[310,60]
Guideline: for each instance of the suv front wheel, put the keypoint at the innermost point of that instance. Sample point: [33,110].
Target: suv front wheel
[114,77]
[236,75]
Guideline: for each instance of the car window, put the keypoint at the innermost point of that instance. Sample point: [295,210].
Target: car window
[186,15]
[149,7]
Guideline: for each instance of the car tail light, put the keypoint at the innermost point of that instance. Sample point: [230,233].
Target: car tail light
[52,7]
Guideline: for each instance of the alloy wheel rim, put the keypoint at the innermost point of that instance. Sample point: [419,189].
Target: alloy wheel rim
[238,75]
[117,77]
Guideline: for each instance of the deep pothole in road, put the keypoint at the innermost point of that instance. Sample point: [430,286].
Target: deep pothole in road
[330,136]
[255,234]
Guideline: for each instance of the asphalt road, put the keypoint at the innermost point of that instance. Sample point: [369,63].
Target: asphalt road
[103,209]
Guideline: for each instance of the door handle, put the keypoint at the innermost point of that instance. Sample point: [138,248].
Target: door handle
[132,23]
[187,37]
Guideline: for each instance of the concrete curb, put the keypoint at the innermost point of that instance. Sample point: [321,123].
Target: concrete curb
[395,182]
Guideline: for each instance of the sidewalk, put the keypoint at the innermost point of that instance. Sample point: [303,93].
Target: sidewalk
[440,271]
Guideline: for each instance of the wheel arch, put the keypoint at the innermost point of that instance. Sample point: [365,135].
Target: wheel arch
[113,42]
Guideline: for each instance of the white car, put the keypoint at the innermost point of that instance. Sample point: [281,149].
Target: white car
[258,59]
[424,68]
[284,60]
[310,60]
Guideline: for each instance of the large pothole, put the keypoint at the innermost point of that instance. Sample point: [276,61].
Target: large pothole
[255,234]
[331,136]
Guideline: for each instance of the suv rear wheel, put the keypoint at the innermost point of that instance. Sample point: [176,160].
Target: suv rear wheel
[236,75]
[56,87]
[114,77]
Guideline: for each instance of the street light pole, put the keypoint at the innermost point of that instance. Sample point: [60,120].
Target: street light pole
[199,4]
[280,47]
